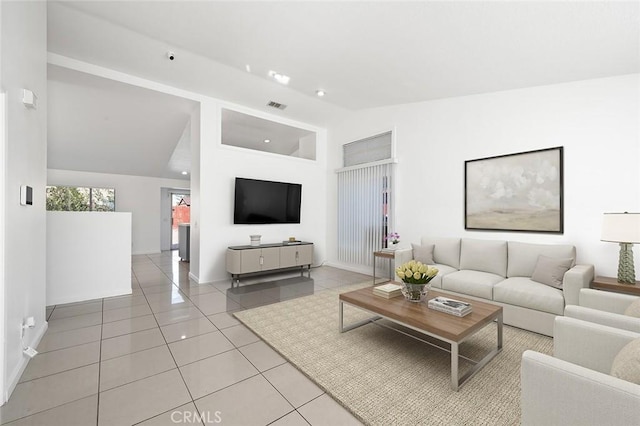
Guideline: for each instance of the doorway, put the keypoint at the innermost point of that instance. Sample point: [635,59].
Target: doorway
[180,213]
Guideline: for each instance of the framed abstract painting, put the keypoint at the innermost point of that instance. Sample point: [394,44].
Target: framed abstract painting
[520,192]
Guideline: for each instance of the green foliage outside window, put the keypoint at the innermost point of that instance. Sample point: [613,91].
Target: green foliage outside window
[78,199]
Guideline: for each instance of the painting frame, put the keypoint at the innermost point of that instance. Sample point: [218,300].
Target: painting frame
[520,192]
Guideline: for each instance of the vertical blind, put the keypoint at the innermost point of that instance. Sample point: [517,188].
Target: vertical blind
[364,197]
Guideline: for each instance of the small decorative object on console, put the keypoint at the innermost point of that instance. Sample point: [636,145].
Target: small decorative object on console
[415,278]
[255,239]
[450,306]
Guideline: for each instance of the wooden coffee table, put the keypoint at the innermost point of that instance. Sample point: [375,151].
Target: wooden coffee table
[417,316]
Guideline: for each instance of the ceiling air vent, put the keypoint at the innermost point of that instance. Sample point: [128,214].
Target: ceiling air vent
[276,105]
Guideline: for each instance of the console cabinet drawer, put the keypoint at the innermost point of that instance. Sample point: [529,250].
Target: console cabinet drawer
[255,259]
[296,255]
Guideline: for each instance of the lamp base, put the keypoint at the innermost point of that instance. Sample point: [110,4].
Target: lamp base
[626,272]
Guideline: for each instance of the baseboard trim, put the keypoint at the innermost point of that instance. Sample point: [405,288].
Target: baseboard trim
[93,296]
[139,253]
[17,373]
[195,278]
[359,269]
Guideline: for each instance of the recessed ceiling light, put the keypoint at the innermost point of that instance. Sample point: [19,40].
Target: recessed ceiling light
[280,78]
[267,140]
[247,67]
[185,173]
[320,92]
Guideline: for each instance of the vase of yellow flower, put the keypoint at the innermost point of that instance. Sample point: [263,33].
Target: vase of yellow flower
[416,278]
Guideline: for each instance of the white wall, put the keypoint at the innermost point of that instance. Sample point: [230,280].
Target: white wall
[597,122]
[23,65]
[136,194]
[194,214]
[88,256]
[213,168]
[219,165]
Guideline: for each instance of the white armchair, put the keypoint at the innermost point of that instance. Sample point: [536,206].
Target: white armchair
[574,387]
[604,308]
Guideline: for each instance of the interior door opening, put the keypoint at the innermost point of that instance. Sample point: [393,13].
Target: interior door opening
[180,213]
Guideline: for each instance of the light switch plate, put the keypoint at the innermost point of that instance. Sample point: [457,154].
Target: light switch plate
[29,98]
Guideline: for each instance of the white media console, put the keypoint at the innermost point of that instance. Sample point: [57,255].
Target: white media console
[268,257]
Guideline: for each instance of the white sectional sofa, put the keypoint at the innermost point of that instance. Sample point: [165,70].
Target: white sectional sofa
[606,308]
[502,271]
[576,386]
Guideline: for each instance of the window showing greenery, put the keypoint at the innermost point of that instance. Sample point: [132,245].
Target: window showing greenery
[78,199]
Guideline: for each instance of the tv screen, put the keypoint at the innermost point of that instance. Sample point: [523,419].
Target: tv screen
[261,201]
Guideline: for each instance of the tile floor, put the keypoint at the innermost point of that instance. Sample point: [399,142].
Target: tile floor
[172,353]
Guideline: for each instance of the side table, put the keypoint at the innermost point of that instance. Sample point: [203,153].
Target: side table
[612,284]
[386,255]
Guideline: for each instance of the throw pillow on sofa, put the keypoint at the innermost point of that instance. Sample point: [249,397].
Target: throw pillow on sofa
[550,271]
[633,310]
[423,254]
[626,365]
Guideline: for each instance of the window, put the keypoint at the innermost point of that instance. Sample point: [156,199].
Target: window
[80,199]
[364,198]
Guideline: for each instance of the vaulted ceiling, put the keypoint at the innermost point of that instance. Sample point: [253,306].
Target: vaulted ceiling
[364,54]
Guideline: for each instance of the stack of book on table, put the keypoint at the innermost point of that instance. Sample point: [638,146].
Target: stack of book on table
[388,290]
[450,306]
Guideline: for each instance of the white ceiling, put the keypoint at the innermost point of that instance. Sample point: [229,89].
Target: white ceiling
[103,126]
[368,54]
[364,54]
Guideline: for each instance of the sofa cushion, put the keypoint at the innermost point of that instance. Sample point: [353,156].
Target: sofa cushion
[484,255]
[443,270]
[472,283]
[524,256]
[550,270]
[522,291]
[423,254]
[446,250]
[626,365]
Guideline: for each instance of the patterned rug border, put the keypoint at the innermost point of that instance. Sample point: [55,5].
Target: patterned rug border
[247,318]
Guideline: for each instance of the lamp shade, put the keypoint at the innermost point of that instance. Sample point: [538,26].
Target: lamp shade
[621,227]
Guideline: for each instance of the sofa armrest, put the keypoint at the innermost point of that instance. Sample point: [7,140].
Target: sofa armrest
[605,300]
[576,278]
[603,317]
[556,392]
[590,345]
[402,256]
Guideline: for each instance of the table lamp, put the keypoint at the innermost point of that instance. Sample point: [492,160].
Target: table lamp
[623,228]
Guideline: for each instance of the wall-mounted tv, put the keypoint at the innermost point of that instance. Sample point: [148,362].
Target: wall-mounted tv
[261,202]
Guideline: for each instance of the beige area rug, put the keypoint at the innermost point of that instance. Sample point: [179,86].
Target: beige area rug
[385,378]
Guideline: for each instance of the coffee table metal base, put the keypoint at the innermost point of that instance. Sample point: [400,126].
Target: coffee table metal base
[456,381]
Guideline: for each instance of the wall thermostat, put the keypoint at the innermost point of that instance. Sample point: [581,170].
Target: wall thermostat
[26,195]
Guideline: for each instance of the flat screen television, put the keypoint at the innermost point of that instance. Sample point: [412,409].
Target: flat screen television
[261,202]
